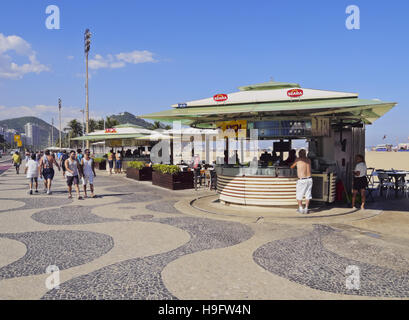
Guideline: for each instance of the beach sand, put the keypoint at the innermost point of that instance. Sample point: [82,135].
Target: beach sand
[387,160]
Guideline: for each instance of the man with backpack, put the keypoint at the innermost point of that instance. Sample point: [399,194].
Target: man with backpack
[64,157]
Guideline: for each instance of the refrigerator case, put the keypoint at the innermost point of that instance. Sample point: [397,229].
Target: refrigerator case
[323,187]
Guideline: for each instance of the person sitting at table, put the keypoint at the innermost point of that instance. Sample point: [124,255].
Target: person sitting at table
[265,158]
[360,181]
[274,156]
[291,157]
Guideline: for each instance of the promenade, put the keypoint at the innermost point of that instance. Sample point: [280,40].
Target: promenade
[138,241]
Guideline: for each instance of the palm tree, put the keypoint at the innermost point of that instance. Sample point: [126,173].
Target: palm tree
[110,122]
[156,125]
[74,128]
[93,125]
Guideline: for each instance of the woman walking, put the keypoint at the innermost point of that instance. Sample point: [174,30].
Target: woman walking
[360,180]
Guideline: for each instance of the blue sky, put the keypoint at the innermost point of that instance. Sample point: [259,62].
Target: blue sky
[154,54]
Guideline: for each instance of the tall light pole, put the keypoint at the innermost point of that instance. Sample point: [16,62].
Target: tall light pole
[52,132]
[83,133]
[59,115]
[87,44]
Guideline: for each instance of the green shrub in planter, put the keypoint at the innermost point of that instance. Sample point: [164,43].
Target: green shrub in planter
[136,164]
[99,160]
[166,168]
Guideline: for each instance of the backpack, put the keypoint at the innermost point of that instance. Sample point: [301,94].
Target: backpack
[63,158]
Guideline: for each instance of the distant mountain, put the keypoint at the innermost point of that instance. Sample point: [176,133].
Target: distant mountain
[126,117]
[45,128]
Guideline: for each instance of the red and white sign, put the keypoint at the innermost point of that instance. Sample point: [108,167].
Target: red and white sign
[220,97]
[295,93]
[110,130]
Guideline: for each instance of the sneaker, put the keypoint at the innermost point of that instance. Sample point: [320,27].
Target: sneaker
[30,192]
[300,210]
[305,211]
[36,191]
[49,192]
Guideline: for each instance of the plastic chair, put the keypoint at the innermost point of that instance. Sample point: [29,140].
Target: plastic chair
[385,183]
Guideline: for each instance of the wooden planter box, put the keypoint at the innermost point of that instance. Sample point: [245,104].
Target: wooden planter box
[144,174]
[101,165]
[178,181]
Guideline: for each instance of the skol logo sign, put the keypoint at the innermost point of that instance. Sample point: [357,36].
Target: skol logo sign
[110,130]
[295,93]
[220,97]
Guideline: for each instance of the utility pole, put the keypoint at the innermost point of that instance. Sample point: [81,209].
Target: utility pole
[87,44]
[59,115]
[83,128]
[104,140]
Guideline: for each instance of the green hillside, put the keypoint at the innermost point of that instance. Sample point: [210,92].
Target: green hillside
[18,124]
[126,117]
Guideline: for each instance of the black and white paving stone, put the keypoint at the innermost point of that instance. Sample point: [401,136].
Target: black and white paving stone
[69,215]
[137,197]
[140,278]
[63,248]
[306,261]
[37,202]
[165,206]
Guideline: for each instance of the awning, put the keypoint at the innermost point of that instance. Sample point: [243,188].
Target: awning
[365,110]
[97,137]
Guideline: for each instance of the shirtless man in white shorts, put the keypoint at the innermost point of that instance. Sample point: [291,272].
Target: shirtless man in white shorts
[304,183]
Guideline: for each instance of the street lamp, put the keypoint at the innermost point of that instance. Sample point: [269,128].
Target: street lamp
[83,133]
[59,115]
[87,45]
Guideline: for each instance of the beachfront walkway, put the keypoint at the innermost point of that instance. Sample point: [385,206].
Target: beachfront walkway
[138,241]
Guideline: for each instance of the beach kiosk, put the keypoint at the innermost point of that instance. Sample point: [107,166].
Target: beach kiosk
[124,135]
[331,123]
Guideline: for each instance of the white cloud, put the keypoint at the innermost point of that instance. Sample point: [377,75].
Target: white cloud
[70,57]
[11,70]
[120,60]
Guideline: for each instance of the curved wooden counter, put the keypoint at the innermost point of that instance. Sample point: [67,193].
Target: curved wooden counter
[257,190]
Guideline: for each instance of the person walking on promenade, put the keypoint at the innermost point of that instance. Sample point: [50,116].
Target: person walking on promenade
[47,170]
[304,183]
[32,170]
[16,161]
[27,156]
[110,160]
[79,155]
[118,162]
[73,172]
[64,157]
[88,170]
[360,182]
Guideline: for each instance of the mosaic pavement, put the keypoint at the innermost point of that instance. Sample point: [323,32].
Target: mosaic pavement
[102,251]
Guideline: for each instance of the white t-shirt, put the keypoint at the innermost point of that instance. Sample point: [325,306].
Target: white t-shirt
[32,168]
[361,167]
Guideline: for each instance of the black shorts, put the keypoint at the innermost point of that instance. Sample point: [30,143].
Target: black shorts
[48,173]
[360,183]
[111,163]
[72,179]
